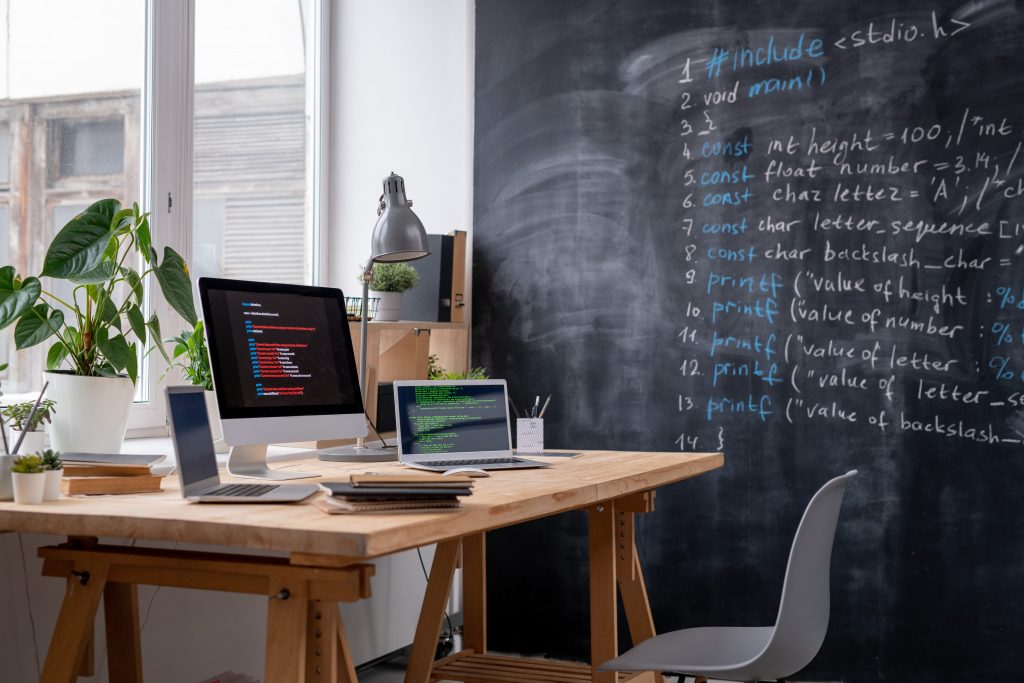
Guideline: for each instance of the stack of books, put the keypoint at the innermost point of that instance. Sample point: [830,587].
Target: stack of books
[103,473]
[422,492]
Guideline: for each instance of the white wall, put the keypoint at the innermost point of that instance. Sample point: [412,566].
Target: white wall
[402,100]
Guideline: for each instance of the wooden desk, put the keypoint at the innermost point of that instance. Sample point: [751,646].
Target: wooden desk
[612,486]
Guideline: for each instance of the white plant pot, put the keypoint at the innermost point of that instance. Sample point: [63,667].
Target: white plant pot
[219,445]
[390,305]
[28,488]
[91,413]
[51,490]
[35,442]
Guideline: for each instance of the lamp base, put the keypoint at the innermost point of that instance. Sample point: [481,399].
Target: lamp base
[358,454]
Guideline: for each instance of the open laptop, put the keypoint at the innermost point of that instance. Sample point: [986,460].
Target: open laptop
[197,461]
[448,424]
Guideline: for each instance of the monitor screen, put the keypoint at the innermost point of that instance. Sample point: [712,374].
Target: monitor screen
[279,350]
[452,418]
[193,442]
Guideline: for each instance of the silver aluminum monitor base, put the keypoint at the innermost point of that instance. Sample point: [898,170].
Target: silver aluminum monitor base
[251,462]
[358,454]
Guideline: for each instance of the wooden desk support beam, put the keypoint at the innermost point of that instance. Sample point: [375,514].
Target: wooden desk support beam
[304,632]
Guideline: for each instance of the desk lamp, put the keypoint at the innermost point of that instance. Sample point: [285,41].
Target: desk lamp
[398,236]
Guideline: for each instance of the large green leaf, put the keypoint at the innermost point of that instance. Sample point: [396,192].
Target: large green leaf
[116,350]
[144,239]
[80,245]
[154,330]
[137,321]
[56,355]
[37,325]
[16,297]
[101,273]
[134,282]
[172,274]
[132,366]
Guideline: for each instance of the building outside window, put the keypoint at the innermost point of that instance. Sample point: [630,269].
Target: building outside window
[72,130]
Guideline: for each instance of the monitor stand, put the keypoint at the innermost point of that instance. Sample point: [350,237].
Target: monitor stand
[251,462]
[359,453]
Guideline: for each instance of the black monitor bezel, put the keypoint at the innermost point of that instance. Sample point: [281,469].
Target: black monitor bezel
[206,284]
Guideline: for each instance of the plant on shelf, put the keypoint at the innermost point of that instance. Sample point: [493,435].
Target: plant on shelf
[28,476]
[98,331]
[393,277]
[27,464]
[51,460]
[435,371]
[95,327]
[17,414]
[389,280]
[54,468]
[190,355]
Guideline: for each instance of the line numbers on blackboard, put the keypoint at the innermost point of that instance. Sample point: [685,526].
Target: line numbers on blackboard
[684,77]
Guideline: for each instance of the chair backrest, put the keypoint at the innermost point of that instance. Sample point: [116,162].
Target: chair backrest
[804,609]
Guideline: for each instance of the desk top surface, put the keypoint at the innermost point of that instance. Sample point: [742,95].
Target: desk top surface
[505,498]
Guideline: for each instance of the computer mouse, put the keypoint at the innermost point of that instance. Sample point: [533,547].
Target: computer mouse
[468,471]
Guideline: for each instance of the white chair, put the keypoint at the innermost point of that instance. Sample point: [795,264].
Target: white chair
[762,652]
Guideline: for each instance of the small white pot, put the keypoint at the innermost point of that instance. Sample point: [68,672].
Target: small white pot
[51,491]
[28,488]
[91,413]
[389,307]
[219,445]
[35,442]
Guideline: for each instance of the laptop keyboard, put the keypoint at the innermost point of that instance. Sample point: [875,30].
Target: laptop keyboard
[466,463]
[247,490]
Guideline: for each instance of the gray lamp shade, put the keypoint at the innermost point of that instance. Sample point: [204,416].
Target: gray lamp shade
[399,235]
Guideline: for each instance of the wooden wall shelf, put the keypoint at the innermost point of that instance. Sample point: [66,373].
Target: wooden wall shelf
[402,350]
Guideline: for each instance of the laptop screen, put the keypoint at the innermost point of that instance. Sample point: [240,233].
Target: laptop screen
[452,418]
[193,442]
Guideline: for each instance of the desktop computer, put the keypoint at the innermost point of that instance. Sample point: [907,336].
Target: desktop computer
[283,368]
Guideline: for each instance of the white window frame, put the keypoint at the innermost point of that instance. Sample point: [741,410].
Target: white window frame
[168,172]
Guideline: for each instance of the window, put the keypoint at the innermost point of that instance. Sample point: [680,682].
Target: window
[71,126]
[242,134]
[252,189]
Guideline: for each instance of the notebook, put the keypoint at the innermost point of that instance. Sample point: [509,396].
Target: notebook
[448,424]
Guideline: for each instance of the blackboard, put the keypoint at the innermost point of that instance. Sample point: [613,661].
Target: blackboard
[791,231]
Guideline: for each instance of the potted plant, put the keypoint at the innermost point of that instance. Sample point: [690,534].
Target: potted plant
[54,468]
[16,416]
[190,355]
[99,332]
[29,479]
[388,282]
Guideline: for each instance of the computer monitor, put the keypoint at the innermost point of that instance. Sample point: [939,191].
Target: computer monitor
[283,368]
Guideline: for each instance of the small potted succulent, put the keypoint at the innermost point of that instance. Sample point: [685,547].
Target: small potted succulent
[191,356]
[54,468]
[29,478]
[16,416]
[388,282]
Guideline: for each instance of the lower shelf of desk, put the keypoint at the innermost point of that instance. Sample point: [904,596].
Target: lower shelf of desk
[470,667]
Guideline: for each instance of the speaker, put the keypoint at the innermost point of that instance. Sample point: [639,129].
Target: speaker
[385,421]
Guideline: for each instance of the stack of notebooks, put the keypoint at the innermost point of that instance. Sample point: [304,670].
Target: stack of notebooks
[423,492]
[103,473]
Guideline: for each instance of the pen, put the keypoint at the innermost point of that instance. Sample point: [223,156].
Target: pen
[536,404]
[514,408]
[546,402]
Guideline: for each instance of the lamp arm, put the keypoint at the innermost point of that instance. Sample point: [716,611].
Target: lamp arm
[367,274]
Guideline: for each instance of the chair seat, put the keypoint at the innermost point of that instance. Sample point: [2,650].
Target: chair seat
[715,650]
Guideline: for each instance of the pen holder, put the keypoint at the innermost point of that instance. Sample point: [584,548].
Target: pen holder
[529,435]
